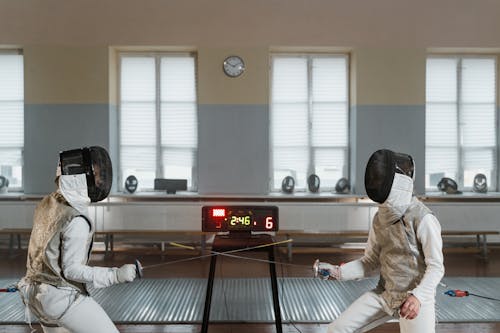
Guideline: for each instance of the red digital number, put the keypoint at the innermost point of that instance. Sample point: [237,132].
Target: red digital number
[269,222]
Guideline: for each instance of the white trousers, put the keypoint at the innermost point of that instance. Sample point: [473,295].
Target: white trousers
[367,312]
[65,308]
[85,316]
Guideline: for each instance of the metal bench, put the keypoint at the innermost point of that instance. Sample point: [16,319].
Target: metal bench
[132,236]
[17,234]
[159,236]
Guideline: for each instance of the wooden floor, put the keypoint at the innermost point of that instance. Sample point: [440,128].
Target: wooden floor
[456,264]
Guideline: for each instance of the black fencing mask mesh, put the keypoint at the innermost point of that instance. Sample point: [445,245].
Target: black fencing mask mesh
[95,163]
[380,170]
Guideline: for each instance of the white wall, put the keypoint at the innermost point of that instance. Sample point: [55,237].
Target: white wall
[311,217]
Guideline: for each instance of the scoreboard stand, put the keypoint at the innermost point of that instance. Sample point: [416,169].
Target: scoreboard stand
[240,237]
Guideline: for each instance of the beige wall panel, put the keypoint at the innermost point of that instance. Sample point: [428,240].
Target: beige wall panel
[356,23]
[214,87]
[63,74]
[389,76]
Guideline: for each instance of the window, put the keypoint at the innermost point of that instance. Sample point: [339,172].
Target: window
[12,118]
[158,118]
[309,119]
[460,120]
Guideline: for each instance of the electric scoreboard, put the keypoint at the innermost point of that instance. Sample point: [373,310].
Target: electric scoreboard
[239,218]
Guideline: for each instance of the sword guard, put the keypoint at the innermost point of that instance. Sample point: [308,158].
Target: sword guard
[323,273]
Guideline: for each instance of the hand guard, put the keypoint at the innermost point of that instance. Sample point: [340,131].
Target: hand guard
[126,273]
[326,271]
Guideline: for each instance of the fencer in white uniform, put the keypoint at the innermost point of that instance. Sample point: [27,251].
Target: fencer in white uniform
[404,245]
[55,286]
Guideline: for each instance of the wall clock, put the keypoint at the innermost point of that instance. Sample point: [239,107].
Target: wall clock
[233,66]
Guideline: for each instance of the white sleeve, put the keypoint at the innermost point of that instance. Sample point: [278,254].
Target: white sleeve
[366,265]
[429,235]
[74,254]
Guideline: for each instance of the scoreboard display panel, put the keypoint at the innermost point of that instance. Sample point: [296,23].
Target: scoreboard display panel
[239,218]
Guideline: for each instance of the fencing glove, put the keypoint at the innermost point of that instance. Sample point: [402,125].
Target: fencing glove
[126,273]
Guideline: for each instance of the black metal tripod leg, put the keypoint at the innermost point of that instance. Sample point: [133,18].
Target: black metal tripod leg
[274,287]
[208,297]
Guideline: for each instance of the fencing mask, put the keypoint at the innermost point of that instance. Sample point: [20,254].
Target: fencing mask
[288,184]
[131,184]
[342,186]
[4,183]
[313,183]
[380,171]
[480,184]
[448,185]
[95,163]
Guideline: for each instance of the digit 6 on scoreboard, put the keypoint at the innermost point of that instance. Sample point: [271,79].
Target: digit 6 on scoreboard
[269,222]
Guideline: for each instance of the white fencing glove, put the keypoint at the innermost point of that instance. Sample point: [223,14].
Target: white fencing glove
[328,271]
[126,273]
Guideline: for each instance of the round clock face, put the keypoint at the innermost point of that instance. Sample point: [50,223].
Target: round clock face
[233,66]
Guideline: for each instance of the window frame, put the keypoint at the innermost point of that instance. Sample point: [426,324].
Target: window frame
[492,182]
[20,52]
[312,150]
[157,56]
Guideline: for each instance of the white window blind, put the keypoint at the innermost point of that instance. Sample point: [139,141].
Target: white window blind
[309,118]
[12,118]
[461,120]
[158,118]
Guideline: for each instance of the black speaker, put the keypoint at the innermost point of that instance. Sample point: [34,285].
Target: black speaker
[171,185]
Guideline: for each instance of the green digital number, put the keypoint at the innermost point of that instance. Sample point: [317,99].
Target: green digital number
[240,220]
